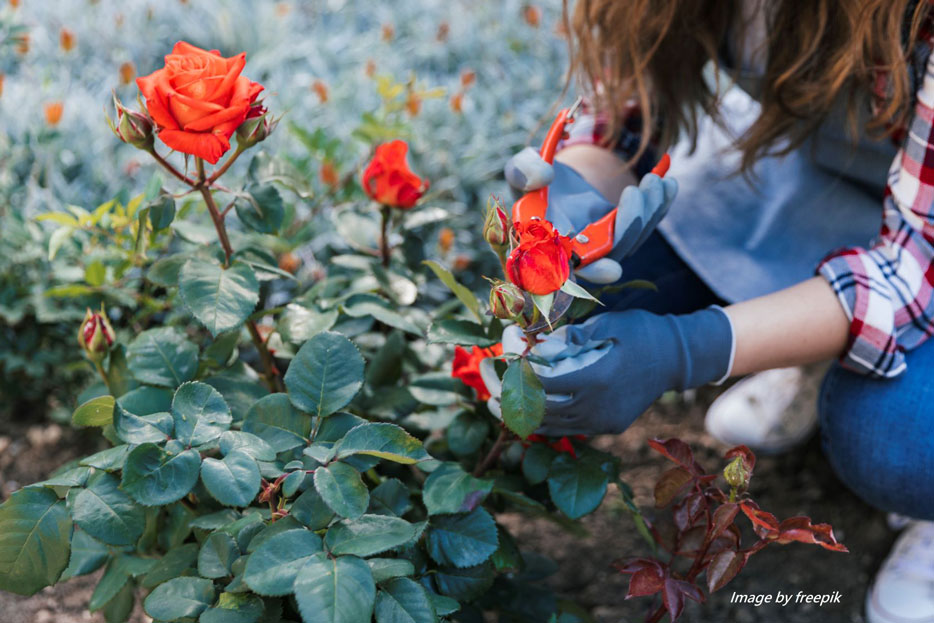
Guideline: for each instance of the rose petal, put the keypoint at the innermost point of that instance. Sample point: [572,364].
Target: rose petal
[200,144]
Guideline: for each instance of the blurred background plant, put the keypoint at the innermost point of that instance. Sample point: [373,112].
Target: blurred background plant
[465,83]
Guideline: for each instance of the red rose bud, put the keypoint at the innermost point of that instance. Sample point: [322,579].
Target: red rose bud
[542,261]
[95,335]
[496,224]
[132,127]
[388,179]
[256,127]
[506,301]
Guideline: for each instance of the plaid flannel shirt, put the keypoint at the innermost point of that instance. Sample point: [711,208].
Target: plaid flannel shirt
[887,290]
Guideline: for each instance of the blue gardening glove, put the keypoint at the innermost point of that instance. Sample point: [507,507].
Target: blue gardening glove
[606,371]
[573,204]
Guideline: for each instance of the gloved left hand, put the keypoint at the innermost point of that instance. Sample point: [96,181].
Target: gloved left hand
[605,372]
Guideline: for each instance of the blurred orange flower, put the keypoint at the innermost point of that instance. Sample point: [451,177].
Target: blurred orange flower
[457,102]
[532,15]
[67,40]
[321,90]
[370,68]
[388,32]
[22,43]
[127,73]
[468,77]
[329,174]
[413,104]
[53,113]
[2,78]
[446,239]
[443,30]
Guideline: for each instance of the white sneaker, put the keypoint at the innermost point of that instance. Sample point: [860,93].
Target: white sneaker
[771,412]
[903,591]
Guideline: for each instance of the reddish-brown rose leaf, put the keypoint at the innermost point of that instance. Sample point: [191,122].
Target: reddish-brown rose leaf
[722,518]
[724,568]
[728,540]
[691,541]
[764,523]
[689,510]
[668,486]
[691,591]
[673,599]
[631,565]
[677,451]
[801,529]
[646,581]
[749,459]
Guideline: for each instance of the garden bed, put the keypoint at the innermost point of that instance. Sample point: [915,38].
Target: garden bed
[801,482]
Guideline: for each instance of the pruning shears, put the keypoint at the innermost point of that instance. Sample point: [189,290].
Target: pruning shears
[594,241]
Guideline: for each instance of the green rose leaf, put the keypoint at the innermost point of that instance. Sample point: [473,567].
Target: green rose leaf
[462,540]
[179,598]
[134,429]
[368,535]
[325,375]
[576,486]
[87,555]
[220,298]
[536,462]
[311,511]
[390,497]
[275,420]
[449,489]
[336,590]
[460,332]
[523,399]
[271,569]
[383,440]
[402,600]
[233,480]
[175,562]
[249,443]
[35,538]
[95,412]
[164,272]
[162,357]
[386,568]
[217,555]
[234,608]
[262,210]
[299,324]
[107,513]
[342,489]
[466,434]
[161,212]
[155,477]
[201,415]
[464,584]
[366,304]
[463,294]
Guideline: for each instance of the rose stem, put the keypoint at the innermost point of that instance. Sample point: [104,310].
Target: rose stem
[168,167]
[384,236]
[493,454]
[272,375]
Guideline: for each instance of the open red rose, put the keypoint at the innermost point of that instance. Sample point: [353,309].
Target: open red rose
[389,180]
[198,100]
[542,261]
[467,367]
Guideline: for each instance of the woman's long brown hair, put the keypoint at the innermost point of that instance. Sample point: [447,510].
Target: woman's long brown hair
[655,52]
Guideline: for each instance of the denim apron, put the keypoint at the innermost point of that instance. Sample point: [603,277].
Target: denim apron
[746,236]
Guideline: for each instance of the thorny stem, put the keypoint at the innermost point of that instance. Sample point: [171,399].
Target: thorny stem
[384,249]
[168,167]
[493,454]
[215,213]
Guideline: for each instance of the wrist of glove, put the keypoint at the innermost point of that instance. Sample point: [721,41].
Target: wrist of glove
[606,371]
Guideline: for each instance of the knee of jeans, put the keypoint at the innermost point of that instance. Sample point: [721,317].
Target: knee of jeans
[866,445]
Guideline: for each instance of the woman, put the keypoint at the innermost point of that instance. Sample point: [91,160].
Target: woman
[835,119]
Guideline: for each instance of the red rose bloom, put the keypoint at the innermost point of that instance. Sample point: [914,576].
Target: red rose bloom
[388,179]
[562,445]
[467,367]
[198,100]
[541,262]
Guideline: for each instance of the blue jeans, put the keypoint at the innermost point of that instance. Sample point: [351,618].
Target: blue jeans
[878,434]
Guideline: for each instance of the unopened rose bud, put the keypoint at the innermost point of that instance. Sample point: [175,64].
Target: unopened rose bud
[736,474]
[506,301]
[132,127]
[95,335]
[257,126]
[496,224]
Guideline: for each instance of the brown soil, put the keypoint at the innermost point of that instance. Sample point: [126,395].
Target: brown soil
[800,482]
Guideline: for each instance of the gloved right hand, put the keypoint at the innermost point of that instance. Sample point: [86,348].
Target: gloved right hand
[573,204]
